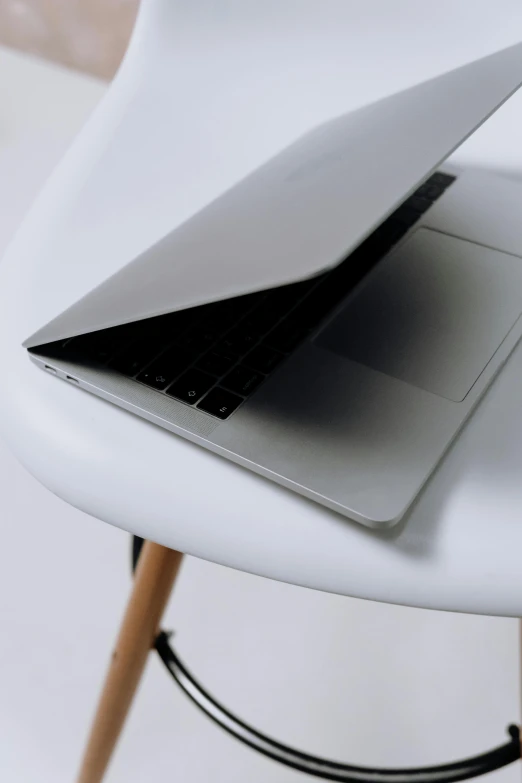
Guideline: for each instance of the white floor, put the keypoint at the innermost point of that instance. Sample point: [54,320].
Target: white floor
[361,682]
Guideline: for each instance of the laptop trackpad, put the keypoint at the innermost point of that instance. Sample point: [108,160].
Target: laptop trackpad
[432,314]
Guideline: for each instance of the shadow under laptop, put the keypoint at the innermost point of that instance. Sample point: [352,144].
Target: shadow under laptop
[475,483]
[483,465]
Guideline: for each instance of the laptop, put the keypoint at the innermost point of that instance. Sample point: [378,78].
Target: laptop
[332,320]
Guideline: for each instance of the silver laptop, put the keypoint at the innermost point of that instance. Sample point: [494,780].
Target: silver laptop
[331,321]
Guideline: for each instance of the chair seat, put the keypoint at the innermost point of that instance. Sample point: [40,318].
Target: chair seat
[458,549]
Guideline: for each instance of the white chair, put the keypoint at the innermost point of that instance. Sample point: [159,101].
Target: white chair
[117,191]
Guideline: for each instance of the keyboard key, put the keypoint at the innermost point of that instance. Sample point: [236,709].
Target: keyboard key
[137,356]
[217,318]
[242,380]
[430,190]
[286,336]
[441,178]
[419,204]
[165,368]
[326,295]
[198,339]
[104,353]
[222,317]
[406,215]
[115,345]
[237,342]
[263,359]
[220,403]
[191,386]
[372,250]
[216,363]
[261,320]
[233,310]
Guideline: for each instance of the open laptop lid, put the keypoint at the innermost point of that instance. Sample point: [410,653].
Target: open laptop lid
[306,208]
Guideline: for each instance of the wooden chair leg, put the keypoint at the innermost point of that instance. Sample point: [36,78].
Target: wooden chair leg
[153,581]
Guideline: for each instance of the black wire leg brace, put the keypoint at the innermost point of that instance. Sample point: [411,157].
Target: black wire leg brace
[315,765]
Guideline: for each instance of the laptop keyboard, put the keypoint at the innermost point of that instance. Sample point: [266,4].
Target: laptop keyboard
[214,356]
